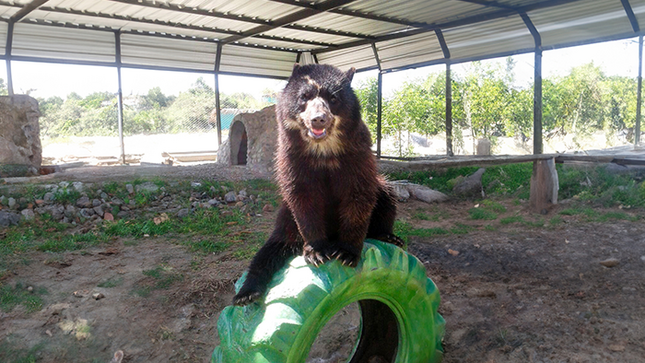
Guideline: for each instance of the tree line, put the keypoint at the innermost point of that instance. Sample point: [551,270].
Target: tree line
[151,113]
[486,104]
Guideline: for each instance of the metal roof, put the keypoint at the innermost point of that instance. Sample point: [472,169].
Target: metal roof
[265,37]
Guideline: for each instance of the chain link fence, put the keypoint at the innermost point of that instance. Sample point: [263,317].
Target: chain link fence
[160,125]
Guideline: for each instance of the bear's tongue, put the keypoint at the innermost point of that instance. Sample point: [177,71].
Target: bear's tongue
[317,132]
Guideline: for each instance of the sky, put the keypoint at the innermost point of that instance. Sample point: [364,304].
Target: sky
[46,80]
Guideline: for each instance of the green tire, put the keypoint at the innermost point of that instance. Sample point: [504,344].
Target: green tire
[398,305]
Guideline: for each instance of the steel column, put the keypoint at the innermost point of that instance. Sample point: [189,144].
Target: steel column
[449,150]
[8,58]
[537,103]
[117,42]
[639,94]
[218,111]
[379,113]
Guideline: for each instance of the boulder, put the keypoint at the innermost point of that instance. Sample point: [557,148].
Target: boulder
[20,148]
[471,186]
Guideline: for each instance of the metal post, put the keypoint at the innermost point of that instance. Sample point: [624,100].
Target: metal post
[218,110]
[379,113]
[639,94]
[8,57]
[117,40]
[449,150]
[537,103]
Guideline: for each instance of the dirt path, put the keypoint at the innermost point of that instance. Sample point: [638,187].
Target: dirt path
[510,293]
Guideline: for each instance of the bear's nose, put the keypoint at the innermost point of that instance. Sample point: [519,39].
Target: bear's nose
[319,120]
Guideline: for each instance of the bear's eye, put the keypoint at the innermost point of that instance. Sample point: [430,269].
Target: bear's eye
[333,99]
[304,97]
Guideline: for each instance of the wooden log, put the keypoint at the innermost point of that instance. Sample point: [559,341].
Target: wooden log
[544,186]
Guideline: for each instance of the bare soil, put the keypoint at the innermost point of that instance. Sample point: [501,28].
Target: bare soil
[513,292]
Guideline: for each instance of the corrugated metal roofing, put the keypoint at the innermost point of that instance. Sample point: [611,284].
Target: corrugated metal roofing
[265,37]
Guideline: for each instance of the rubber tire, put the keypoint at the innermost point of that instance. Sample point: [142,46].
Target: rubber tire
[398,305]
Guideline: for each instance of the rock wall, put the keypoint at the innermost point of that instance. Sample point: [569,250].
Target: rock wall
[261,139]
[20,132]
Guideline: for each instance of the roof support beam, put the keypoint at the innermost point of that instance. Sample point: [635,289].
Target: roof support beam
[357,14]
[26,10]
[288,19]
[379,101]
[465,21]
[194,10]
[491,3]
[176,25]
[446,55]
[631,16]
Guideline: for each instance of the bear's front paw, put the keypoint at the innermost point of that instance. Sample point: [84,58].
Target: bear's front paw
[392,239]
[321,252]
[250,292]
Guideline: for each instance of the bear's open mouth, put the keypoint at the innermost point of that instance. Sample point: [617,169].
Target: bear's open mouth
[317,134]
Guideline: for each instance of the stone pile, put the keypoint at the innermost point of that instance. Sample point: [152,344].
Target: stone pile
[79,203]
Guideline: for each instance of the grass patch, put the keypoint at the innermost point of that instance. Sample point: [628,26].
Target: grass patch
[11,350]
[163,277]
[111,282]
[10,297]
[460,228]
[482,214]
[512,219]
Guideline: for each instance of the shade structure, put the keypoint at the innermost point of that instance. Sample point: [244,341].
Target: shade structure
[265,37]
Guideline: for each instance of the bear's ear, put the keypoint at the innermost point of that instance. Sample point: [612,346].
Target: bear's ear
[350,74]
[296,66]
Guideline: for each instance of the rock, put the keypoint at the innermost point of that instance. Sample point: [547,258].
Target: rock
[108,216]
[28,214]
[57,211]
[70,211]
[483,147]
[195,184]
[610,262]
[63,184]
[616,347]
[98,210]
[104,195]
[96,202]
[97,296]
[471,186]
[267,208]
[400,190]
[213,202]
[148,187]
[123,214]
[83,202]
[49,196]
[129,188]
[8,219]
[11,202]
[643,258]
[453,252]
[183,212]
[426,194]
[117,201]
[230,197]
[243,193]
[78,186]
[20,133]
[86,213]
[30,288]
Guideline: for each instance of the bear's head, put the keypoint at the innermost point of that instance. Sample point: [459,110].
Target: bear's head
[318,101]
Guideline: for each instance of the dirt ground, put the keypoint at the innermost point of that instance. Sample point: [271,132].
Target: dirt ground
[516,292]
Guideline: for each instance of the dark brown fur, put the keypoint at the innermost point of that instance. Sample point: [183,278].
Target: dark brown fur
[333,197]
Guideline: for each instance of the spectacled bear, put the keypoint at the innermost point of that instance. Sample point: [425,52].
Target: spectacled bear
[333,197]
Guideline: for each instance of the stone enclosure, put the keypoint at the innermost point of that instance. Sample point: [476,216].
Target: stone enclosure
[252,140]
[20,148]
